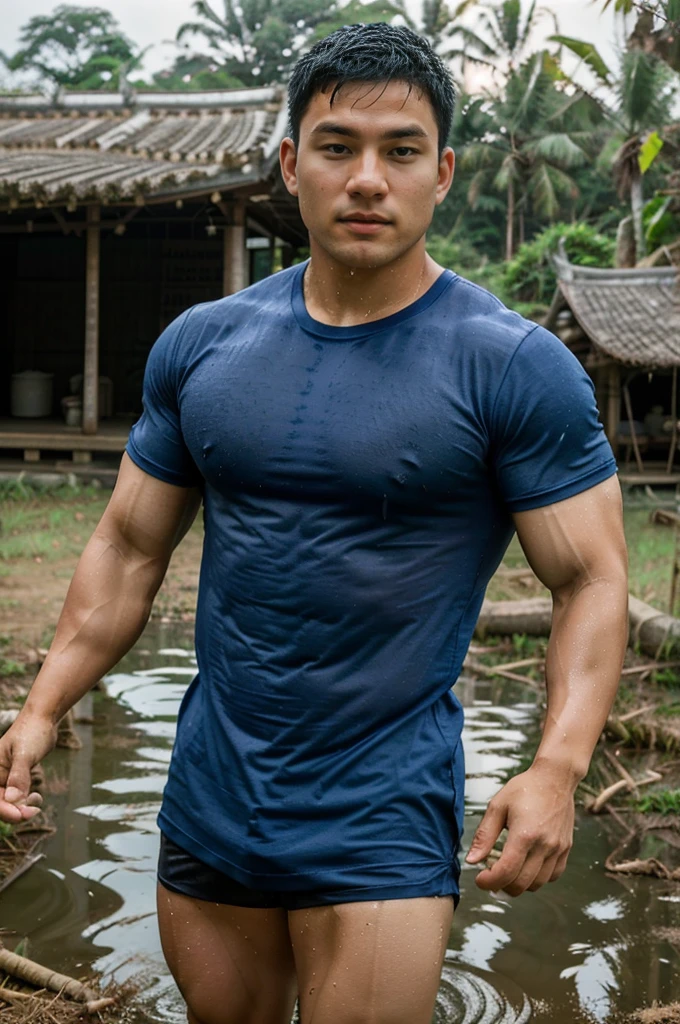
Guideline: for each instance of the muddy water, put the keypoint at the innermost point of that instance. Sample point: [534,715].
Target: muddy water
[579,950]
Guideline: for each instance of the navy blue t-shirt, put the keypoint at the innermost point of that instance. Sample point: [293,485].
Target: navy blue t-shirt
[358,487]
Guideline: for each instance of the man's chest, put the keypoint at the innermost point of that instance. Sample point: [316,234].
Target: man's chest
[290,414]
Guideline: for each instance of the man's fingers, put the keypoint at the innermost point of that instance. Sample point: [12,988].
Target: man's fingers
[505,870]
[10,812]
[34,800]
[545,874]
[560,866]
[18,783]
[490,827]
[531,868]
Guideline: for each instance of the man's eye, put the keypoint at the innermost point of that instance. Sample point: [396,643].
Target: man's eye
[334,147]
[404,151]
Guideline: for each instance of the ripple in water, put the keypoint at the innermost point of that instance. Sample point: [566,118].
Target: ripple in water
[466,997]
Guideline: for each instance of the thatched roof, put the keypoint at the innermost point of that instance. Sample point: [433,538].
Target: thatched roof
[101,146]
[632,315]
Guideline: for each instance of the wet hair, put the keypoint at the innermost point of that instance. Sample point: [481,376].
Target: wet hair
[376,52]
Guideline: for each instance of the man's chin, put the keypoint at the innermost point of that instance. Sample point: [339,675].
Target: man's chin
[364,255]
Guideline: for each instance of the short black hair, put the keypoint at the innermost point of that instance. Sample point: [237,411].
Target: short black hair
[376,52]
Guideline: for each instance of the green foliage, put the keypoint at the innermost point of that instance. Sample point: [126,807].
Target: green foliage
[256,42]
[662,801]
[661,225]
[74,47]
[196,71]
[668,710]
[457,253]
[670,678]
[501,37]
[6,829]
[9,667]
[530,276]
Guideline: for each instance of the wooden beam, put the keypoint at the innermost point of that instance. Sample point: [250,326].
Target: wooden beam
[234,267]
[91,362]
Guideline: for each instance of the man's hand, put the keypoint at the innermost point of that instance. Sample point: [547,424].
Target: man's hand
[21,748]
[537,808]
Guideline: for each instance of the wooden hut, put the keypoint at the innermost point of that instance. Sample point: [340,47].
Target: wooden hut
[624,326]
[116,213]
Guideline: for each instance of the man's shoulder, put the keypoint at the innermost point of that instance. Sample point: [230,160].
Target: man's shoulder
[480,318]
[265,296]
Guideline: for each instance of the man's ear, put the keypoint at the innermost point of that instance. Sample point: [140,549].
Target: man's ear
[447,163]
[288,161]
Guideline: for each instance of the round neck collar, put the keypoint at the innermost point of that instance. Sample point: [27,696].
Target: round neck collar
[329,331]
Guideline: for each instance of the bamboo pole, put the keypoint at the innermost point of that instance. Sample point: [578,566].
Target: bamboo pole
[91,361]
[633,434]
[42,977]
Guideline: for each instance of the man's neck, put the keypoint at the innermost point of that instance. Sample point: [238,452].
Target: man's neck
[344,296]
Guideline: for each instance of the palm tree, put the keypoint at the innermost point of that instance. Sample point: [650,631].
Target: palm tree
[636,104]
[657,29]
[501,39]
[526,143]
[258,41]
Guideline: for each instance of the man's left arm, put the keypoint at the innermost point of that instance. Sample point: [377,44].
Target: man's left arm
[577,549]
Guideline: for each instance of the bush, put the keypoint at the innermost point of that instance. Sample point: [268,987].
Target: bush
[530,275]
[461,256]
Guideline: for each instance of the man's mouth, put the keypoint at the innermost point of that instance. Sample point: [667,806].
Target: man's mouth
[364,224]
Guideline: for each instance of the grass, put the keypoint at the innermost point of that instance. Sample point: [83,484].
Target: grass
[662,801]
[46,524]
[650,555]
[9,667]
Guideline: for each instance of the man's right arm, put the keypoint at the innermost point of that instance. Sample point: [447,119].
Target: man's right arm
[107,606]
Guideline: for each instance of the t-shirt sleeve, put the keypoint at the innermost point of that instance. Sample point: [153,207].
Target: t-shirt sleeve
[156,443]
[547,441]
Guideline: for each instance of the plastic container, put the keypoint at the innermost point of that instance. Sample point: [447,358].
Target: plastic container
[31,395]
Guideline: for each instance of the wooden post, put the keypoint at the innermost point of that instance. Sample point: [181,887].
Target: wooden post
[674,419]
[91,363]
[234,246]
[614,406]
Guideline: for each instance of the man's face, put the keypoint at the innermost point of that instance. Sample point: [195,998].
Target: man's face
[367,171]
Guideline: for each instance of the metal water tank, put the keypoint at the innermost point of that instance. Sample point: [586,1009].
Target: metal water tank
[31,395]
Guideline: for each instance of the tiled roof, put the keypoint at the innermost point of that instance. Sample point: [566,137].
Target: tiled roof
[103,146]
[632,315]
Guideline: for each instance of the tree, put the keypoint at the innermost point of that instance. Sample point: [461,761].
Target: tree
[657,28]
[258,41]
[196,71]
[501,40]
[527,140]
[636,104]
[75,47]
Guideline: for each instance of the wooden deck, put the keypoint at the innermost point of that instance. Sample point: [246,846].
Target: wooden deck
[52,435]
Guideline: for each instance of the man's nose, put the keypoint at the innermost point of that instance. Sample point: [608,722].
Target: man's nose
[368,176]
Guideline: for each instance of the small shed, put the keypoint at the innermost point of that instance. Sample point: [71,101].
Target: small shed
[117,212]
[624,327]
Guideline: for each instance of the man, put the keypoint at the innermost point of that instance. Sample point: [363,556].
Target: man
[365,430]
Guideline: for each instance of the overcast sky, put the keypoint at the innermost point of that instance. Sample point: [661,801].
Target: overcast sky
[149,22]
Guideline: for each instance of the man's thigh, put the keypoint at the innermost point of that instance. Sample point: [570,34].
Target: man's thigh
[370,963]
[233,965]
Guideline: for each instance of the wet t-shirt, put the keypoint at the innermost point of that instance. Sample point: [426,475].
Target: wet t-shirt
[358,487]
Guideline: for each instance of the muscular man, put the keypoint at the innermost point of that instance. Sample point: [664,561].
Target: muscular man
[365,431]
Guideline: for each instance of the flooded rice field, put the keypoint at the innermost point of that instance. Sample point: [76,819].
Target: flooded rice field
[580,950]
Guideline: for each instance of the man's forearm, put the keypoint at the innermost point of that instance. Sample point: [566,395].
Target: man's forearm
[106,609]
[583,669]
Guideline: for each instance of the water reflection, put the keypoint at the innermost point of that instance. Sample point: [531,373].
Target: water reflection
[575,951]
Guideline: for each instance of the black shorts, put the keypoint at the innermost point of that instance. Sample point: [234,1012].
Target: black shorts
[183,873]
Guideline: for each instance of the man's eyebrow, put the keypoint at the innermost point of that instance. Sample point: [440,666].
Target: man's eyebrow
[407,132]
